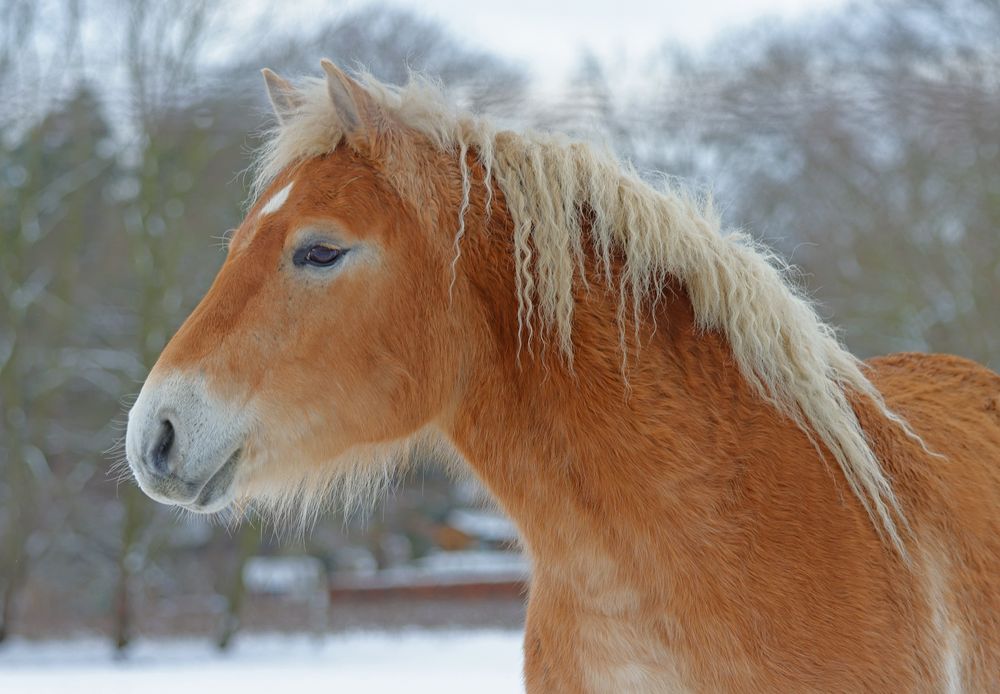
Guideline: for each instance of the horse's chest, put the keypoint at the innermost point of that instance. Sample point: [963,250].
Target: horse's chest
[592,630]
[618,656]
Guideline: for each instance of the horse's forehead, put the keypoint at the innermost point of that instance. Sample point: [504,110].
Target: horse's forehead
[338,185]
[276,200]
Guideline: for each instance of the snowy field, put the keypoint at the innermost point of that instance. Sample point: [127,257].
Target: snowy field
[484,662]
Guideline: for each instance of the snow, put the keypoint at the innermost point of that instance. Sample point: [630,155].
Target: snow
[416,662]
[301,576]
[443,569]
[476,564]
[485,525]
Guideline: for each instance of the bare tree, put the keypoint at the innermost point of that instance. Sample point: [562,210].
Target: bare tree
[390,42]
[866,145]
[44,184]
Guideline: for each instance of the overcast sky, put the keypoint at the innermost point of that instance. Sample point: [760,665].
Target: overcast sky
[547,38]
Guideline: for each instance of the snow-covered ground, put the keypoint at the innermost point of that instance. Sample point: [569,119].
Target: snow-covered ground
[484,662]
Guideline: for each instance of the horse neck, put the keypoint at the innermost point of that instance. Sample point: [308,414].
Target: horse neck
[579,455]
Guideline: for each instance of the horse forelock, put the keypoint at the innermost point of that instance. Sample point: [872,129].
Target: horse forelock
[784,350]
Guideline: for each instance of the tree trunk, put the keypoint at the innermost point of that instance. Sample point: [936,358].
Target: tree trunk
[129,562]
[16,569]
[248,540]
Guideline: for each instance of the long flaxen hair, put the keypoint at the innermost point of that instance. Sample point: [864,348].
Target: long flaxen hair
[566,198]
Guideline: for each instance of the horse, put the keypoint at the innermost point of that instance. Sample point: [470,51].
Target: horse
[714,494]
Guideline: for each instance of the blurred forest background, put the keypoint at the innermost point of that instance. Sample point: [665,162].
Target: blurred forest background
[863,144]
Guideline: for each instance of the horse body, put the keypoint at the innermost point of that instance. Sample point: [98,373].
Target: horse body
[688,537]
[688,530]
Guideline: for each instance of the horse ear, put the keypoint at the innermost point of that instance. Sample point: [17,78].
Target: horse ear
[355,107]
[284,98]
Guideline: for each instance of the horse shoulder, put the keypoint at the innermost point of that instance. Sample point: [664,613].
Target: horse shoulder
[951,493]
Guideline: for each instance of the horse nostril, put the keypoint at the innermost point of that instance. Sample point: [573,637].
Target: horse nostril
[161,452]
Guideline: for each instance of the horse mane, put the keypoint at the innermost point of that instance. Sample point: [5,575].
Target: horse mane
[566,196]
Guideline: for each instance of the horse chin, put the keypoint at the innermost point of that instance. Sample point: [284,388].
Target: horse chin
[221,489]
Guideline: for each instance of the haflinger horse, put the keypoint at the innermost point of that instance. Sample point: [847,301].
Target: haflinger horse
[714,494]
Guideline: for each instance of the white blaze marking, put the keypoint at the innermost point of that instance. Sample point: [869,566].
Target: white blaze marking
[275,203]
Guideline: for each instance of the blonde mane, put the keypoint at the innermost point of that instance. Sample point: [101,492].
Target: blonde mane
[784,350]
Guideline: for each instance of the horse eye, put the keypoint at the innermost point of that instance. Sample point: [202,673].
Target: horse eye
[318,255]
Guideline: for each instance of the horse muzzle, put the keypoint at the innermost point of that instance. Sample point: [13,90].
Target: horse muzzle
[185,446]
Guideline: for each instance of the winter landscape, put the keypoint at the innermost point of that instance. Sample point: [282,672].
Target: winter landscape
[860,140]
